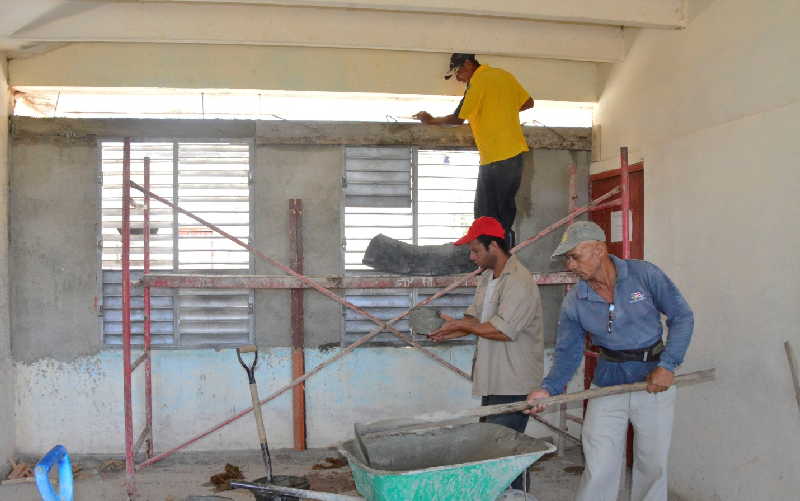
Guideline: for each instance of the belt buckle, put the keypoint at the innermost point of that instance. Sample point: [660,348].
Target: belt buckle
[646,356]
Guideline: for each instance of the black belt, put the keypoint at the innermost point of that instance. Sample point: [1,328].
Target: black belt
[651,354]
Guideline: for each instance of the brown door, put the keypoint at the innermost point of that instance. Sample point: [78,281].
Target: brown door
[610,219]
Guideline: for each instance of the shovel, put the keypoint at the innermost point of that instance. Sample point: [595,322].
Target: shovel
[442,418]
[251,376]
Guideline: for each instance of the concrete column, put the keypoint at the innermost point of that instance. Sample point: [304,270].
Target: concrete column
[7,427]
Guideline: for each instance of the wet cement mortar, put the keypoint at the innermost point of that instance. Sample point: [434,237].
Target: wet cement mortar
[187,474]
[443,446]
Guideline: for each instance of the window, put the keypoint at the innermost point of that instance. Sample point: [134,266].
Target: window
[210,179]
[422,197]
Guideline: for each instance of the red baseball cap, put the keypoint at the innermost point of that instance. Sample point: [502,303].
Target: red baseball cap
[488,226]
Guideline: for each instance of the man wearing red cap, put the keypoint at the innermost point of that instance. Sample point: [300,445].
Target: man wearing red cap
[506,317]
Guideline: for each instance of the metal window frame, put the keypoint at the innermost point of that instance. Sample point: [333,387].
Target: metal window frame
[414,293]
[417,296]
[176,345]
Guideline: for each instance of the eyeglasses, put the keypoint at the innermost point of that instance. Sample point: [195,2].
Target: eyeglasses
[610,317]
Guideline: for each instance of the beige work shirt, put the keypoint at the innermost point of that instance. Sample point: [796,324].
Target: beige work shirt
[513,367]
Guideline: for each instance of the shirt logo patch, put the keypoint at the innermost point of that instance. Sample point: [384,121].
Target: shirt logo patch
[636,297]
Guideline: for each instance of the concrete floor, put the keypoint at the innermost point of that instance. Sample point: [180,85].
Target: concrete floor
[183,475]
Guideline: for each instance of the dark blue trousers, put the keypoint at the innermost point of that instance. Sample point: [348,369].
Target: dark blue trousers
[495,195]
[517,421]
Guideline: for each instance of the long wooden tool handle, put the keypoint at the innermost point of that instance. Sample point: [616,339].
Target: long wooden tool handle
[297,493]
[424,420]
[793,371]
[262,433]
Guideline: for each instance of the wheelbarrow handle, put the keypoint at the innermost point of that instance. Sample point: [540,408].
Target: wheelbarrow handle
[299,493]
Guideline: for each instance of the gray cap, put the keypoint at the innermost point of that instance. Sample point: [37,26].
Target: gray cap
[581,231]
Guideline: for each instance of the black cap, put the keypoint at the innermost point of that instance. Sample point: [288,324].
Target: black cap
[456,60]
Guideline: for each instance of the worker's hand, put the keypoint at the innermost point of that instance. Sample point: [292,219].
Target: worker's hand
[438,337]
[659,380]
[450,329]
[535,395]
[423,116]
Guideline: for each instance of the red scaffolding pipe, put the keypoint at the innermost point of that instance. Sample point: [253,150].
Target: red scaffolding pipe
[298,334]
[364,339]
[572,170]
[624,182]
[170,280]
[607,205]
[126,314]
[148,382]
[590,358]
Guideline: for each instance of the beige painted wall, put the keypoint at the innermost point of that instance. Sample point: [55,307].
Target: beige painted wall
[714,112]
[6,374]
[285,68]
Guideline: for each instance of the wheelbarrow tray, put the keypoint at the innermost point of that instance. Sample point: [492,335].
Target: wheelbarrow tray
[468,462]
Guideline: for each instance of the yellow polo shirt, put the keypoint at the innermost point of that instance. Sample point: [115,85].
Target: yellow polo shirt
[491,104]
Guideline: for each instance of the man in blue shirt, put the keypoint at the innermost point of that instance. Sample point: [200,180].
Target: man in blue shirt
[619,302]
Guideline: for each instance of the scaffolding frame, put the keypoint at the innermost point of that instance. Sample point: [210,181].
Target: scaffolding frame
[296,281]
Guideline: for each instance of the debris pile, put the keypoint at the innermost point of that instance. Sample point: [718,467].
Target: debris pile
[20,472]
[220,480]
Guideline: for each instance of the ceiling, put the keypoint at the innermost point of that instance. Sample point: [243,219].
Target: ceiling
[560,29]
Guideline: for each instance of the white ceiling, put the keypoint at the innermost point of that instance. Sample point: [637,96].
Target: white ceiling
[561,29]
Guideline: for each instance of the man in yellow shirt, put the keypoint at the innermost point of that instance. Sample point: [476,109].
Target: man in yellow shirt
[492,102]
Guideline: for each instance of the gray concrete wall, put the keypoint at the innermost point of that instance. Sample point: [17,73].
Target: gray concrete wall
[53,249]
[54,212]
[312,173]
[543,199]
[6,367]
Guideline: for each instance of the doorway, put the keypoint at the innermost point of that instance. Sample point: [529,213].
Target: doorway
[611,219]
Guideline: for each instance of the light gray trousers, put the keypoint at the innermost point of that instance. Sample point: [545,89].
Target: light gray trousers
[604,433]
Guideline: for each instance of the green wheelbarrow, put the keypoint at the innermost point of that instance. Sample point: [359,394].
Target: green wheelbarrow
[474,462]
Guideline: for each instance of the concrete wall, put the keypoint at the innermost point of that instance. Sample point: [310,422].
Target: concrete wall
[197,389]
[6,368]
[542,200]
[286,68]
[313,173]
[714,112]
[61,364]
[54,210]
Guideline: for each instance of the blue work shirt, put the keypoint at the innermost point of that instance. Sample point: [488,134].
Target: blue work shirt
[641,294]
